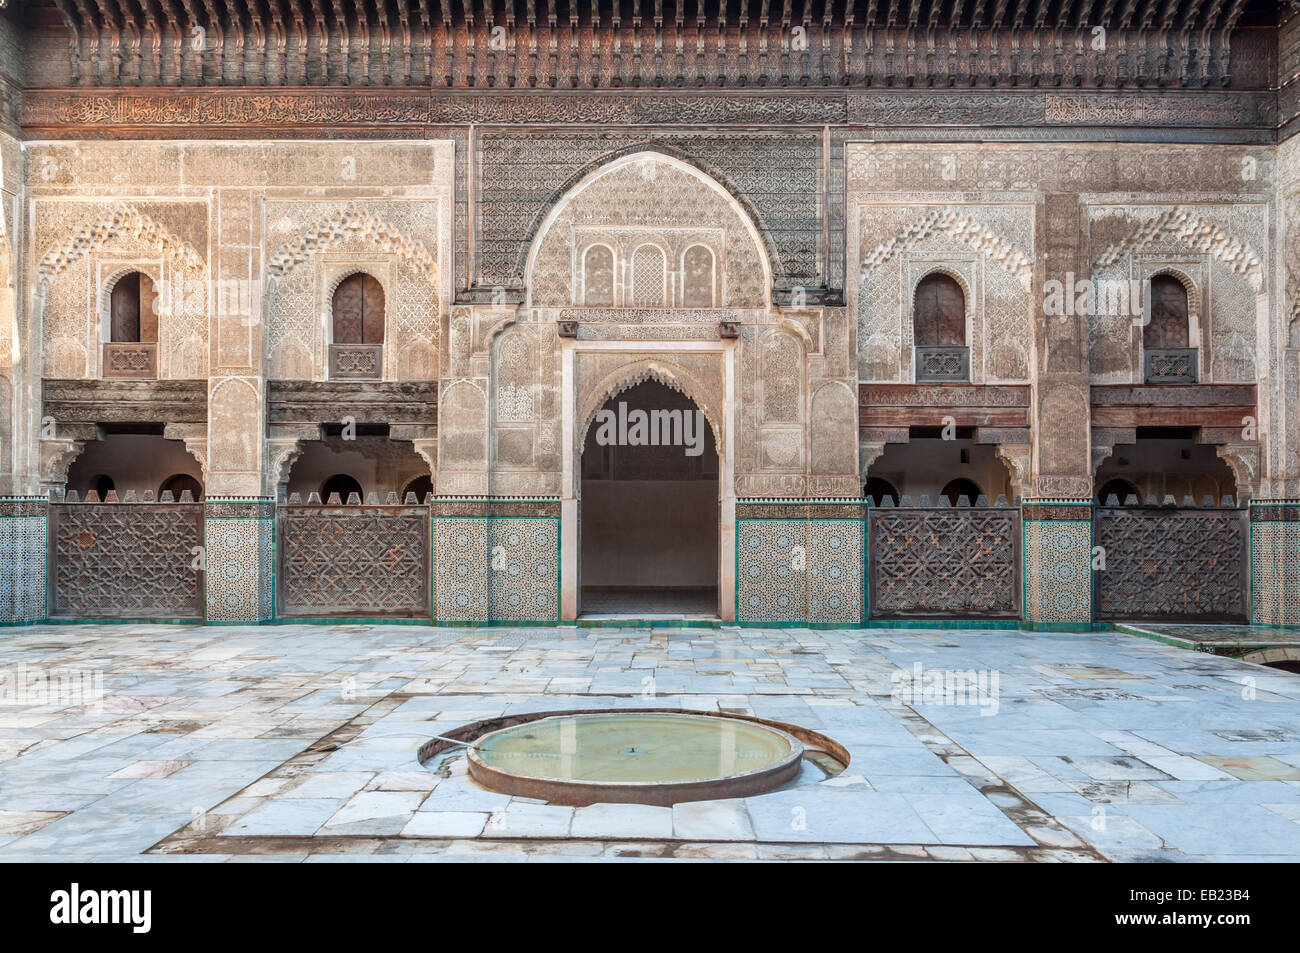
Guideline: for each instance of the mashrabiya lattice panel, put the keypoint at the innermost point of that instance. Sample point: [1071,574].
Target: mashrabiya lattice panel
[954,562]
[1171,564]
[127,560]
[351,560]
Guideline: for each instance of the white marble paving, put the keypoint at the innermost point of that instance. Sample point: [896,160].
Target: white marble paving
[291,743]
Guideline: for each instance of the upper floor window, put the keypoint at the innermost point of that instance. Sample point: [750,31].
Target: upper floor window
[358,310]
[132,345]
[648,277]
[356,352]
[1168,326]
[697,277]
[134,317]
[598,277]
[939,312]
[1166,339]
[939,330]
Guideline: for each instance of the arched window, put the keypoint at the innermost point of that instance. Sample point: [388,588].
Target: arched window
[178,484]
[133,311]
[598,277]
[697,277]
[1168,326]
[877,489]
[421,486]
[648,277]
[939,312]
[103,485]
[1120,489]
[960,487]
[342,484]
[358,310]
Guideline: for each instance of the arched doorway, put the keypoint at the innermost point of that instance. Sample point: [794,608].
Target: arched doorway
[649,507]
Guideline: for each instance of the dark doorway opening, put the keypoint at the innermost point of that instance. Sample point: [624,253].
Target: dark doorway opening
[649,517]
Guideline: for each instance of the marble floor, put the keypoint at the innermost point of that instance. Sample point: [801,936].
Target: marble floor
[298,743]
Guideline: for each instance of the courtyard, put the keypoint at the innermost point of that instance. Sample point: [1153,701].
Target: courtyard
[295,743]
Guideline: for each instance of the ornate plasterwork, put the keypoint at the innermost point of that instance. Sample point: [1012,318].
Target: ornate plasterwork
[978,236]
[654,195]
[984,247]
[89,248]
[116,221]
[352,222]
[1196,233]
[1243,460]
[319,244]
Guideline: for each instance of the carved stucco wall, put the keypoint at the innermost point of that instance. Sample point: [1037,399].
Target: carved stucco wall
[218,221]
[1214,250]
[82,248]
[988,249]
[785,365]
[15,386]
[647,196]
[1202,210]
[1281,373]
[319,243]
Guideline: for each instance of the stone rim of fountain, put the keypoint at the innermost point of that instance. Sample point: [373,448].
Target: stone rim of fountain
[580,793]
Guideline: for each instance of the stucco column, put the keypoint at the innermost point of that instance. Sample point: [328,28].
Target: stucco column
[239,542]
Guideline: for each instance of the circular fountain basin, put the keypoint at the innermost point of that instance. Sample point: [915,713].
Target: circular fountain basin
[635,757]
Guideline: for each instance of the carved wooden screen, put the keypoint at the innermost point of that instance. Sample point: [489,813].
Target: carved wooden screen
[354,560]
[944,561]
[1171,564]
[126,560]
[359,310]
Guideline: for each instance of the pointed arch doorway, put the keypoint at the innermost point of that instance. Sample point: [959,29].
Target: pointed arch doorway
[650,507]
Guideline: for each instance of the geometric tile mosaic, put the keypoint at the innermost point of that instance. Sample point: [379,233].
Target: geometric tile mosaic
[1058,571]
[800,571]
[496,568]
[1275,573]
[524,569]
[22,569]
[460,568]
[239,557]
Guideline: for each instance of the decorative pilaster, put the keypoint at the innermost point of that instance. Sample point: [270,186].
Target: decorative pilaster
[1057,572]
[239,556]
[1275,562]
[23,536]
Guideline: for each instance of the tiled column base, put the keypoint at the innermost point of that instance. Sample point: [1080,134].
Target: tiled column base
[239,558]
[496,560]
[23,536]
[1275,562]
[1057,564]
[800,562]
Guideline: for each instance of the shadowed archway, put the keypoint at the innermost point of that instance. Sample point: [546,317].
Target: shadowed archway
[649,506]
